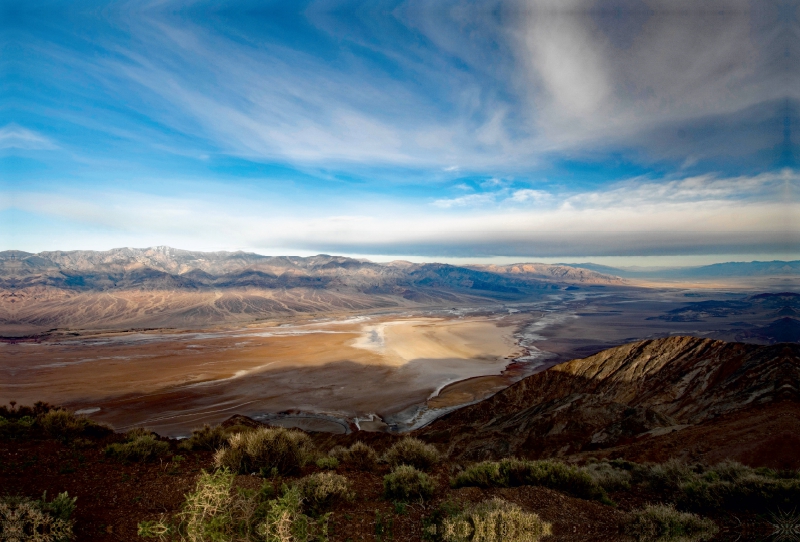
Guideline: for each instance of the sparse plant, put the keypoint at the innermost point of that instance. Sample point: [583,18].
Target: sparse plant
[406,483]
[663,522]
[328,462]
[414,452]
[360,456]
[495,520]
[25,519]
[285,450]
[139,445]
[322,488]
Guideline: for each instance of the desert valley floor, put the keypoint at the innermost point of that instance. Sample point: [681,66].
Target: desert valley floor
[374,370]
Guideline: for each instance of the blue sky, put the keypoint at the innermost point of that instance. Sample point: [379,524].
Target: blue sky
[619,131]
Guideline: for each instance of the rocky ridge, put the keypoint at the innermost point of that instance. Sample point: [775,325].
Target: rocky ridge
[621,396]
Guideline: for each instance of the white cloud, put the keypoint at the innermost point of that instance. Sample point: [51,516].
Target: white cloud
[13,136]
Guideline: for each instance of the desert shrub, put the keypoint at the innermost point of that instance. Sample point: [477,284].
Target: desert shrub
[664,522]
[37,520]
[607,476]
[338,453]
[414,452]
[139,445]
[214,512]
[206,438]
[740,490]
[264,449]
[495,520]
[62,423]
[360,456]
[329,463]
[516,472]
[405,483]
[667,477]
[320,489]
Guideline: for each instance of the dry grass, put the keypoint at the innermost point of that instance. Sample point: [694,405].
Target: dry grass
[265,449]
[663,522]
[495,520]
[414,452]
[360,456]
[321,489]
[406,483]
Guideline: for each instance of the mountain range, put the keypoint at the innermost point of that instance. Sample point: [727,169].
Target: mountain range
[167,287]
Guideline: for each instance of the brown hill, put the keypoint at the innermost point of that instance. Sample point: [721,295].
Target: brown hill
[633,394]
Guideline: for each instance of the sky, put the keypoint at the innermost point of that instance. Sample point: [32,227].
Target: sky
[617,131]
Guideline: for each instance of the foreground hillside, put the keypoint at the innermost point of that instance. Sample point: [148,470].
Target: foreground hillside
[637,392]
[166,287]
[634,443]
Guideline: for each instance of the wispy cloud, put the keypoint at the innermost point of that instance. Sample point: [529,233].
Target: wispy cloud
[13,136]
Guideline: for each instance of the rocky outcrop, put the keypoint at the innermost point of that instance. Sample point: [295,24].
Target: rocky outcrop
[621,395]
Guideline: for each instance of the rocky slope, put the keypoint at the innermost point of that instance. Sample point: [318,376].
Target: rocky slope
[622,396]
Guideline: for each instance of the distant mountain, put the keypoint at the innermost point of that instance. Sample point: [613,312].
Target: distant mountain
[163,286]
[715,271]
[630,394]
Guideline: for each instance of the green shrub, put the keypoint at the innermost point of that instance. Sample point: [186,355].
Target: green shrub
[329,463]
[48,521]
[609,477]
[266,448]
[664,522]
[405,483]
[360,456]
[285,521]
[206,438]
[139,445]
[495,520]
[414,452]
[320,489]
[516,472]
[62,423]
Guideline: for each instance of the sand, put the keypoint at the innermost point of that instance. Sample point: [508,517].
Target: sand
[174,381]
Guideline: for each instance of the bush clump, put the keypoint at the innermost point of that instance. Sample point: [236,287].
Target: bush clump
[139,445]
[516,472]
[328,463]
[206,438]
[608,476]
[48,521]
[265,449]
[495,520]
[406,483]
[664,522]
[414,452]
[319,490]
[360,456]
[215,512]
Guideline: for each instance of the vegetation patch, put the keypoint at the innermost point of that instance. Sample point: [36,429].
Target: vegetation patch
[265,449]
[664,522]
[515,472]
[214,511]
[406,483]
[321,489]
[139,445]
[360,456]
[414,452]
[23,519]
[495,520]
[329,463]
